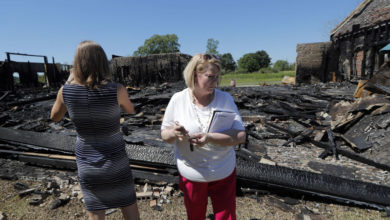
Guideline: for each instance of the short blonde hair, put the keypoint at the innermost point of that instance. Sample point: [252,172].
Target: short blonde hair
[196,64]
[90,64]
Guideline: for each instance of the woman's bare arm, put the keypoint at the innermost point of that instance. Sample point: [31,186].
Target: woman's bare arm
[124,101]
[59,109]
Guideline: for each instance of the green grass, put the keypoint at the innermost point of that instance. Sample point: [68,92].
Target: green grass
[251,79]
[41,78]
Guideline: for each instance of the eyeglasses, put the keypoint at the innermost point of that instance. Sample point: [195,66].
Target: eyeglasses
[211,77]
[207,56]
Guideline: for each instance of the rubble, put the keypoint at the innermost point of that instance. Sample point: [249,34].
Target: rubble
[307,128]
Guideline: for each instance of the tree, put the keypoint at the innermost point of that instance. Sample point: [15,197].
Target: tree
[157,44]
[252,62]
[292,66]
[263,58]
[228,63]
[281,65]
[249,63]
[212,46]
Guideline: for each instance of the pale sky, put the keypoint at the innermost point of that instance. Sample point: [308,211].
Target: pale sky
[54,28]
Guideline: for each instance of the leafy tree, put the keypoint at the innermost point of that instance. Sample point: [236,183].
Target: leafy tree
[263,58]
[212,46]
[281,65]
[157,44]
[252,62]
[249,63]
[227,62]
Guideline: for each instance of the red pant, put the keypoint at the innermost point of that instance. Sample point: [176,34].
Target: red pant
[222,194]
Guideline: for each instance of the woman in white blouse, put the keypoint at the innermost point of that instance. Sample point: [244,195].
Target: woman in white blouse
[206,161]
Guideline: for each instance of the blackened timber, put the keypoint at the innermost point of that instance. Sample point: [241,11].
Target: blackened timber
[154,176]
[262,137]
[297,180]
[352,156]
[144,171]
[332,143]
[38,99]
[6,93]
[285,130]
[46,140]
[247,155]
[318,184]
[346,153]
[299,136]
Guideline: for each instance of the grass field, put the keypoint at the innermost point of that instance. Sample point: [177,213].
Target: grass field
[251,79]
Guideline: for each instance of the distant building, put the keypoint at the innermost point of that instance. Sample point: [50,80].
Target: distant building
[353,51]
[147,70]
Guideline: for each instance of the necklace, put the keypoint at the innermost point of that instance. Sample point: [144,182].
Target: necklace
[203,127]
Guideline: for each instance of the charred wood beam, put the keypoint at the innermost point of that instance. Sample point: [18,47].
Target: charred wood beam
[384,89]
[345,153]
[247,155]
[332,150]
[301,136]
[332,144]
[267,136]
[144,171]
[350,191]
[313,184]
[5,95]
[352,156]
[285,130]
[318,184]
[46,140]
[24,102]
[297,180]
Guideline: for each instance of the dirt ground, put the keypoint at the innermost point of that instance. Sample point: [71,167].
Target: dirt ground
[250,206]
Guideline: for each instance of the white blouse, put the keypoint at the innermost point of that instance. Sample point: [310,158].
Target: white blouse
[210,162]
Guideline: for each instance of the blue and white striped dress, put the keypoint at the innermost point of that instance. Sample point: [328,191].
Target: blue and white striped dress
[103,166]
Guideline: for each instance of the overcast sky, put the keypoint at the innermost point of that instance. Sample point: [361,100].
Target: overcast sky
[54,28]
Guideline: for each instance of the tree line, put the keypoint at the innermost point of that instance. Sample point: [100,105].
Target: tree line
[258,61]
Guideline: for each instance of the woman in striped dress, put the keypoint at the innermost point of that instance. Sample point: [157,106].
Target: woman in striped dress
[94,105]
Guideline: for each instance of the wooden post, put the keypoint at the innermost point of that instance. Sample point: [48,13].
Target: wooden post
[8,57]
[55,78]
[45,71]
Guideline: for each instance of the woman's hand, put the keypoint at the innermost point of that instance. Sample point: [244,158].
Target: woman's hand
[180,132]
[227,138]
[174,132]
[199,139]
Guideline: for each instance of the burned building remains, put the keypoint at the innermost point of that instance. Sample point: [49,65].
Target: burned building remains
[354,50]
[27,72]
[130,71]
[151,69]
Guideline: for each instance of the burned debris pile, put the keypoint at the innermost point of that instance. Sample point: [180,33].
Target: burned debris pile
[146,70]
[315,139]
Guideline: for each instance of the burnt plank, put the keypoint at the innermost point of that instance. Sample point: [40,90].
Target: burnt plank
[46,140]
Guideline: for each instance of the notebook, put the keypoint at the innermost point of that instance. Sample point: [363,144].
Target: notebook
[221,120]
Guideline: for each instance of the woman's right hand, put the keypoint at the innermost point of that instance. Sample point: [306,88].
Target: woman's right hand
[180,132]
[174,132]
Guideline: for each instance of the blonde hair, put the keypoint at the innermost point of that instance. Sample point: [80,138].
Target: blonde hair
[90,65]
[197,64]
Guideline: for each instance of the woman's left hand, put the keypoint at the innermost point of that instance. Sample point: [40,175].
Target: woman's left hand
[199,139]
